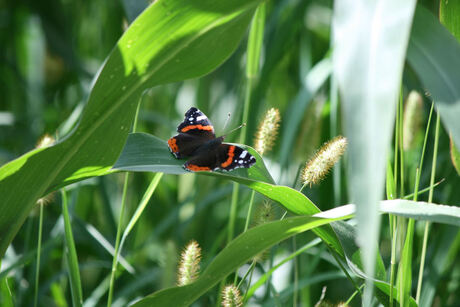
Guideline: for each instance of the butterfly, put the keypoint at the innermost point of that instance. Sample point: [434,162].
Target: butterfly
[206,152]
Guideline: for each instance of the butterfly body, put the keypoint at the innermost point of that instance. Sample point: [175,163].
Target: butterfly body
[206,152]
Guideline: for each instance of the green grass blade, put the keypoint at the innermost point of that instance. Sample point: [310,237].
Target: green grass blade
[239,251]
[117,240]
[71,255]
[256,35]
[171,40]
[455,156]
[370,40]
[140,209]
[422,211]
[6,297]
[390,182]
[263,279]
[430,199]
[39,247]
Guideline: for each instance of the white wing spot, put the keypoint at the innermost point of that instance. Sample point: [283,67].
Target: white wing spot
[240,162]
[202,117]
[243,154]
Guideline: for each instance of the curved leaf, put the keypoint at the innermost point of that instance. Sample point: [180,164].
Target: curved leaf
[172,40]
[370,41]
[419,210]
[145,152]
[237,252]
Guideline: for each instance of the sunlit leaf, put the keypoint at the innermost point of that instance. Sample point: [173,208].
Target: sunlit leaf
[170,41]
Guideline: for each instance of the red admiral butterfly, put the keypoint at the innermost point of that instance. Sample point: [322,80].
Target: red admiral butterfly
[196,140]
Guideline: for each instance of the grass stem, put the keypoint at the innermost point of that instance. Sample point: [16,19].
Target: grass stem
[430,199]
[117,240]
[39,245]
[71,255]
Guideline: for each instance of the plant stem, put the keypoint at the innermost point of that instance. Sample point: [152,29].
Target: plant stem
[120,224]
[401,142]
[254,47]
[117,240]
[430,199]
[248,217]
[39,246]
[71,255]
[393,257]
[393,228]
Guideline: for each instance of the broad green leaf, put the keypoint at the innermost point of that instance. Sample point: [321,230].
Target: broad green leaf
[237,252]
[170,41]
[145,152]
[370,40]
[423,211]
[433,54]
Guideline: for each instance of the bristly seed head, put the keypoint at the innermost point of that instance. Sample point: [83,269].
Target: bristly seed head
[189,265]
[231,297]
[268,129]
[412,119]
[45,141]
[263,214]
[317,168]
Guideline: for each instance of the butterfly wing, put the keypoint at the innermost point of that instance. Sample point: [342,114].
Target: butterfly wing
[196,123]
[194,131]
[225,157]
[185,145]
[231,157]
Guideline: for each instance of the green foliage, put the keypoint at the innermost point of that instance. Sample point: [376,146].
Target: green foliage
[78,71]
[158,48]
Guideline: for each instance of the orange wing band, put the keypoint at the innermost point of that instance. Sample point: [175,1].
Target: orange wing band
[199,127]
[172,144]
[231,153]
[197,168]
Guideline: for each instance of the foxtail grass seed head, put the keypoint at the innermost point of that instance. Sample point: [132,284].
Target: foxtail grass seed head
[45,141]
[317,168]
[189,264]
[412,119]
[231,297]
[46,199]
[264,213]
[268,129]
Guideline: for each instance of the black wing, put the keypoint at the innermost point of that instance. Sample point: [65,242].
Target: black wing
[196,123]
[225,157]
[184,145]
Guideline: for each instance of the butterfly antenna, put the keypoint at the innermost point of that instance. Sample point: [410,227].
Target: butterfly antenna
[226,121]
[240,126]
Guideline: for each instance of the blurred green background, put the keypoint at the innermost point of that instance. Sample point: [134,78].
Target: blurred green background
[50,52]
